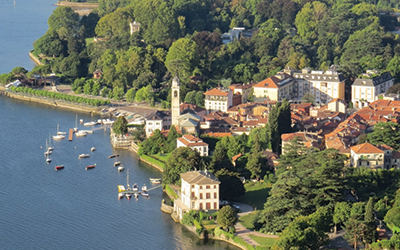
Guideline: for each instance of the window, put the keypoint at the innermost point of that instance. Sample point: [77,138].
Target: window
[201,187]
[207,187]
[215,186]
[208,205]
[193,195]
[150,123]
[192,186]
[215,195]
[201,196]
[175,93]
[208,195]
[215,205]
[201,206]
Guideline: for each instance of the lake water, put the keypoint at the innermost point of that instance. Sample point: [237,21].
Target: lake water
[72,208]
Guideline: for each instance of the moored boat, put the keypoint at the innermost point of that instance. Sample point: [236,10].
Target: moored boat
[80,133]
[145,194]
[93,149]
[121,168]
[92,123]
[120,195]
[48,159]
[144,188]
[135,188]
[117,163]
[58,136]
[114,155]
[90,166]
[83,156]
[59,167]
[155,180]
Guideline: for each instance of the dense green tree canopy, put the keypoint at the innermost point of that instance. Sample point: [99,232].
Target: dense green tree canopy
[183,159]
[120,126]
[226,217]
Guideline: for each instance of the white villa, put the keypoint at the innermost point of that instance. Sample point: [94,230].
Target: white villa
[199,191]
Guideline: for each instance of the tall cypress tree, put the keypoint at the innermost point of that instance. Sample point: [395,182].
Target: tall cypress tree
[273,128]
[369,220]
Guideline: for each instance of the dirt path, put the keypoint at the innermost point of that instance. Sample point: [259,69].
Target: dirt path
[245,233]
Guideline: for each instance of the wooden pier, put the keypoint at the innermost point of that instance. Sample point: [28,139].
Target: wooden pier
[71,134]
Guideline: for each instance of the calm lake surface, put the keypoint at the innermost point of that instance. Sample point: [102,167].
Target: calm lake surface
[72,208]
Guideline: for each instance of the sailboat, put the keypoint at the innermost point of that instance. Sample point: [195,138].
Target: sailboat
[58,136]
[128,188]
[50,148]
[76,124]
[47,152]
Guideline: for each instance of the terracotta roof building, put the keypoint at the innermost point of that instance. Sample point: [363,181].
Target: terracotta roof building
[194,143]
[367,155]
[218,99]
[199,191]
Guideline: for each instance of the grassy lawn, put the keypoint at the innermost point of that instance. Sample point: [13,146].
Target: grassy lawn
[247,220]
[256,194]
[263,241]
[163,158]
[89,40]
[171,192]
[154,161]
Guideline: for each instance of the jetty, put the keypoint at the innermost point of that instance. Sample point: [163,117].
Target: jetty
[71,134]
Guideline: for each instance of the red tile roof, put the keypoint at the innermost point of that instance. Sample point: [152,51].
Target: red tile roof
[216,91]
[366,148]
[271,82]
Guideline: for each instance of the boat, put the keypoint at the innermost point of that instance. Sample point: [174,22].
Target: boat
[128,188]
[145,194]
[90,166]
[61,133]
[155,180]
[136,195]
[121,168]
[108,122]
[117,163]
[76,124]
[93,149]
[48,159]
[80,133]
[121,195]
[59,167]
[48,151]
[114,155]
[92,123]
[135,188]
[83,156]
[144,188]
[87,131]
[58,137]
[50,148]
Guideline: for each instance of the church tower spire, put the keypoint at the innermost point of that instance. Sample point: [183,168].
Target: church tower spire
[175,103]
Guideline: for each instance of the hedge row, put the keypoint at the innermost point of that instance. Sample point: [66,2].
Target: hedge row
[60,96]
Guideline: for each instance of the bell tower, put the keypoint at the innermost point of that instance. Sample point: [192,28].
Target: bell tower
[175,103]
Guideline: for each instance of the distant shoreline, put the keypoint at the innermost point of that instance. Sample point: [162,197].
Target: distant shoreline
[75,4]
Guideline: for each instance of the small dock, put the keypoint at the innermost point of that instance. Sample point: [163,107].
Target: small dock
[71,134]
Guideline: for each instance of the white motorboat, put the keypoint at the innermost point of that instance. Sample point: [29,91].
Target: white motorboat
[93,149]
[121,195]
[136,195]
[135,187]
[47,153]
[155,180]
[145,194]
[117,163]
[80,134]
[92,123]
[61,133]
[144,188]
[87,131]
[107,122]
[121,168]
[128,196]
[83,156]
